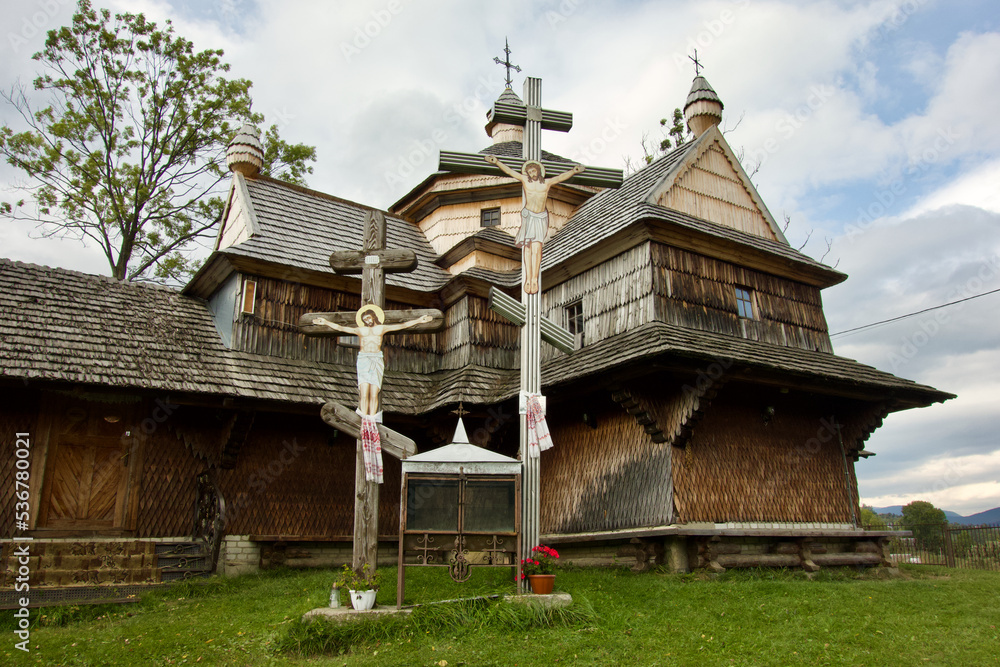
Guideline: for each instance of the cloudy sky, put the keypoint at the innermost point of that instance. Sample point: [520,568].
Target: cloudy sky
[874,124]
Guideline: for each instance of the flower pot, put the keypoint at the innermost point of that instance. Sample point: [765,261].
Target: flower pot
[541,584]
[363,600]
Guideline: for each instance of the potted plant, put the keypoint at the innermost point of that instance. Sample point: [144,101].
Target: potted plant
[361,585]
[539,569]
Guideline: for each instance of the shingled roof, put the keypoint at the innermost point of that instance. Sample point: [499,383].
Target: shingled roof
[72,327]
[515,149]
[66,326]
[676,345]
[300,228]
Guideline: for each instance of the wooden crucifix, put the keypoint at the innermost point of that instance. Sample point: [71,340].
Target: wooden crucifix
[373,261]
[531,170]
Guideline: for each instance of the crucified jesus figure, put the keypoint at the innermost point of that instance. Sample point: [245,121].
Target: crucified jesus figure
[534,217]
[371,364]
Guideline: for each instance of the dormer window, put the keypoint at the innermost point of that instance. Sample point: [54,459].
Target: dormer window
[489,217]
[744,302]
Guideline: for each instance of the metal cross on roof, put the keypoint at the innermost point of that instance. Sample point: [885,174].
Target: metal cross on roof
[506,62]
[697,65]
[460,410]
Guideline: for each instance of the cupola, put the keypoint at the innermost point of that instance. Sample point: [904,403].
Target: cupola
[503,132]
[245,153]
[703,108]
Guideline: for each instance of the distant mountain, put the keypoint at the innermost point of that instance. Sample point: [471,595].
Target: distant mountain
[988,517]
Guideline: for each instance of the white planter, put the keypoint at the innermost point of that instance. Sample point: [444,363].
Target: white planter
[362,600]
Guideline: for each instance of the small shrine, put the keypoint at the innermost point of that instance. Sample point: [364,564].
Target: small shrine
[461,509]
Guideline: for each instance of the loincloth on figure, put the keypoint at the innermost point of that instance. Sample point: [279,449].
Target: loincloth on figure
[371,368]
[534,227]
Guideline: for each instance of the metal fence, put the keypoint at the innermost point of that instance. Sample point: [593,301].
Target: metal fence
[969,547]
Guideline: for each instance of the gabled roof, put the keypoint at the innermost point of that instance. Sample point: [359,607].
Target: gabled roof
[612,211]
[299,228]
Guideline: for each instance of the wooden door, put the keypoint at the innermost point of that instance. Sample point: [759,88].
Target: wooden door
[87,468]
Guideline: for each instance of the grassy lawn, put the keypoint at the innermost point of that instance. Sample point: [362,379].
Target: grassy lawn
[926,616]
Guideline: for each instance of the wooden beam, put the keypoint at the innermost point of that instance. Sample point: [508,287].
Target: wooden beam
[346,319]
[347,262]
[348,421]
[475,163]
[552,333]
[517,114]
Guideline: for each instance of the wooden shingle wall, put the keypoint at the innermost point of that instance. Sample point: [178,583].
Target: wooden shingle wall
[603,478]
[297,479]
[709,188]
[20,415]
[474,334]
[447,226]
[167,487]
[616,296]
[273,328]
[699,292]
[743,464]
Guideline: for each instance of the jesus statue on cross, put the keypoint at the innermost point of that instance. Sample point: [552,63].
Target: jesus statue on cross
[534,216]
[371,365]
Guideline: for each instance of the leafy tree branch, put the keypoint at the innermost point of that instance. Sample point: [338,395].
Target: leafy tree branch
[128,150]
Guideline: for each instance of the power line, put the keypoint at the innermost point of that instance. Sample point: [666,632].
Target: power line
[919,312]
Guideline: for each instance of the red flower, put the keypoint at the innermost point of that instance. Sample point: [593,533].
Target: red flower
[542,561]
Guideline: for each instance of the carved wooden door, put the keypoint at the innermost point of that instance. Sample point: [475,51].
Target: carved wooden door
[87,469]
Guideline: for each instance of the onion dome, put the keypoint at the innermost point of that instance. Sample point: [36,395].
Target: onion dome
[504,132]
[703,108]
[246,153]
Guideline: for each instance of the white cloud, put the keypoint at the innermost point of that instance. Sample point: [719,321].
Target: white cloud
[963,484]
[978,187]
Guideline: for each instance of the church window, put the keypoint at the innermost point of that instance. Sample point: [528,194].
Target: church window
[744,302]
[574,322]
[489,217]
[249,295]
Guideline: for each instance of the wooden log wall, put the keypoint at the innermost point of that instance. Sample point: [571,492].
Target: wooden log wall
[616,296]
[743,464]
[605,478]
[695,291]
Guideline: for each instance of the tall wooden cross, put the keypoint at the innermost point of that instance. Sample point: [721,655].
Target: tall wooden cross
[373,261]
[534,119]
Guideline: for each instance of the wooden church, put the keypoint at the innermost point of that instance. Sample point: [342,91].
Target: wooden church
[702,420]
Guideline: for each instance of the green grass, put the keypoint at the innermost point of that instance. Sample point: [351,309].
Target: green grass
[927,616]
